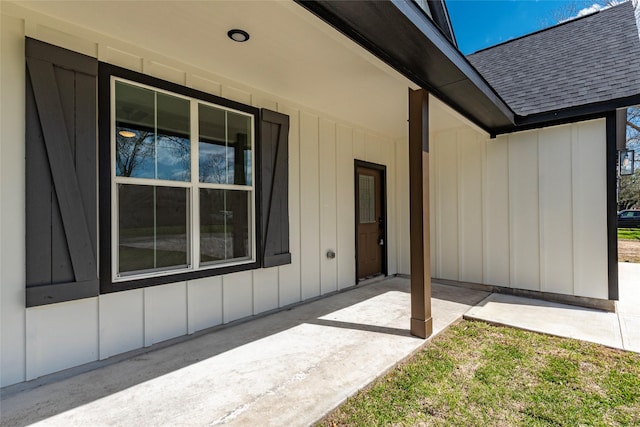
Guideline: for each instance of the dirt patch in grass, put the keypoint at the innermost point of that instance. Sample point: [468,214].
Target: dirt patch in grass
[475,374]
[629,250]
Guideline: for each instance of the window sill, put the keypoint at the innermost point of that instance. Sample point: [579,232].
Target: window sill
[129,283]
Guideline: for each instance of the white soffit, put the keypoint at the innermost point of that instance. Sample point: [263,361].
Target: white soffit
[442,118]
[291,53]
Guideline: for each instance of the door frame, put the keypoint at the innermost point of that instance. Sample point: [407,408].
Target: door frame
[383,193]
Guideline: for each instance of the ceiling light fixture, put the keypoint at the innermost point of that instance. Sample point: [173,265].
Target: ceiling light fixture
[126,134]
[238,35]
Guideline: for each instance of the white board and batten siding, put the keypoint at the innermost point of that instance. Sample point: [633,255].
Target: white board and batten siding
[41,340]
[526,210]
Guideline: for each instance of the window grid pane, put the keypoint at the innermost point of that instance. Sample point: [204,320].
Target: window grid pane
[225,153]
[152,134]
[153,228]
[224,225]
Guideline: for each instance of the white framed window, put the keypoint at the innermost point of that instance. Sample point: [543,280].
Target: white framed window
[183,195]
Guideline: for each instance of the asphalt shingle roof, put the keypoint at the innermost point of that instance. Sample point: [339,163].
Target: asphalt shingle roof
[588,60]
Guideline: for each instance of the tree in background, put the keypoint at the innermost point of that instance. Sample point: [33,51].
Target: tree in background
[576,9]
[629,185]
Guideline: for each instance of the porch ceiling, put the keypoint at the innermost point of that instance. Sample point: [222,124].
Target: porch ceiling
[405,38]
[291,53]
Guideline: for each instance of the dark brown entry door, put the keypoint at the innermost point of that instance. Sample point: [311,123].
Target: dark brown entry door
[370,221]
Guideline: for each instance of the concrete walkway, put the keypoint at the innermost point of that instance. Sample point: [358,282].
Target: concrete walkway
[293,367]
[286,369]
[617,330]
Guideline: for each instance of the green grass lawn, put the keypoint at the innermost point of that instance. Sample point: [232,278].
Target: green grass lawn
[629,233]
[475,374]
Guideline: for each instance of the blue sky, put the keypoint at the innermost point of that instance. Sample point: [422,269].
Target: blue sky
[480,23]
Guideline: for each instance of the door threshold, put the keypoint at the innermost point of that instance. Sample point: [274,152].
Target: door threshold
[371,279]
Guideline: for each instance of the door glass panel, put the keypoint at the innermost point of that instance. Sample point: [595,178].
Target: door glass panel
[367,196]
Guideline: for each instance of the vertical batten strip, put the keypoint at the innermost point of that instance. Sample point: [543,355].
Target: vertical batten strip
[508,207]
[572,148]
[460,258]
[542,190]
[540,220]
[434,168]
[483,165]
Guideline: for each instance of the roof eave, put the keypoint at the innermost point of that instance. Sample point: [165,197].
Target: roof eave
[401,35]
[569,115]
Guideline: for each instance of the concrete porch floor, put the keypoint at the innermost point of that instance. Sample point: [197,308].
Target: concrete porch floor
[286,369]
[618,330]
[292,367]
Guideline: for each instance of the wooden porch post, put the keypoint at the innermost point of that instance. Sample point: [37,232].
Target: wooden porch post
[421,321]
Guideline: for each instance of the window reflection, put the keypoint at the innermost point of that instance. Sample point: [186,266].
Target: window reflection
[135,152]
[224,147]
[152,134]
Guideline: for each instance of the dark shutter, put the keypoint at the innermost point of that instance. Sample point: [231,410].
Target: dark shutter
[61,199]
[274,174]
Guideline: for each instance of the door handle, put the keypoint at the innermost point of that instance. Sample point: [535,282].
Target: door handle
[381,241]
